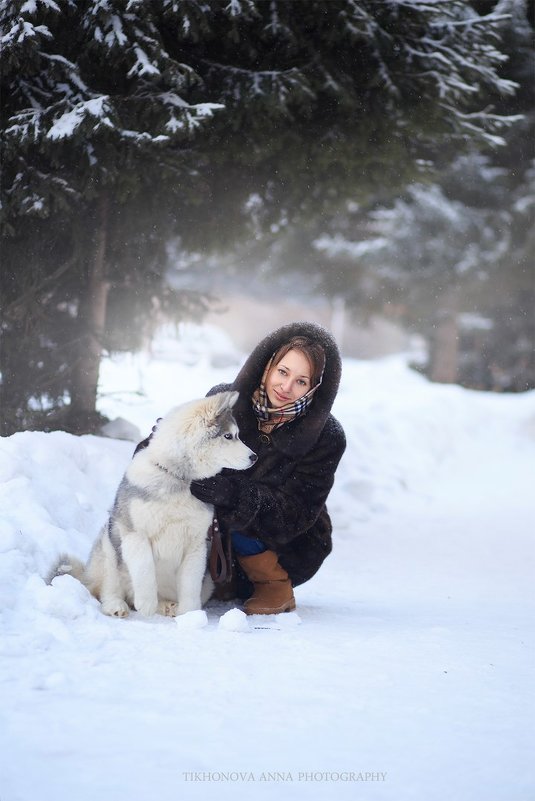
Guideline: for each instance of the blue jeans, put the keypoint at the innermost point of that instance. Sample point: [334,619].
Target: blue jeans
[246,546]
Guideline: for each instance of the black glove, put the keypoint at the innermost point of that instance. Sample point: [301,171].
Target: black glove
[218,490]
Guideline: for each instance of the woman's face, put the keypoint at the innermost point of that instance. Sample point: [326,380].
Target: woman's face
[289,379]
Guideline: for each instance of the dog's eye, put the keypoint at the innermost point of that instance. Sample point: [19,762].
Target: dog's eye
[228,436]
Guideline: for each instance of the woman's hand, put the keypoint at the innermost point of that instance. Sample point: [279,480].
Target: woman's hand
[217,490]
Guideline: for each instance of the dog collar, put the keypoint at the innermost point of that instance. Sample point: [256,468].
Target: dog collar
[169,472]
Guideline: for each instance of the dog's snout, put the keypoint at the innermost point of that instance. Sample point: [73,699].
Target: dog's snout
[253,457]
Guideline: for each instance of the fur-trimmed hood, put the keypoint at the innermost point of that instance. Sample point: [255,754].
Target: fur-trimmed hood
[281,498]
[299,436]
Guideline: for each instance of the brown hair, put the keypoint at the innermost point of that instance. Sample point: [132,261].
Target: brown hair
[313,352]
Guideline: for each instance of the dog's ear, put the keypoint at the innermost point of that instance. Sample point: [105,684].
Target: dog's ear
[225,402]
[233,397]
[218,411]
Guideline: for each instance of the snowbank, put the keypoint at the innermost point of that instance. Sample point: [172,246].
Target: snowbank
[405,673]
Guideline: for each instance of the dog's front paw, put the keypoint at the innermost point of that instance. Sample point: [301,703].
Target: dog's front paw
[115,607]
[168,608]
[189,605]
[147,606]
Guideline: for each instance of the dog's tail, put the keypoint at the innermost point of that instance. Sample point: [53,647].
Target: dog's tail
[68,566]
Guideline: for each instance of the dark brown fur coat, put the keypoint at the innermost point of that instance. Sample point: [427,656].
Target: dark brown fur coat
[281,499]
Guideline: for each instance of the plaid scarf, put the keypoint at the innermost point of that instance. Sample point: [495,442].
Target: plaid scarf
[282,414]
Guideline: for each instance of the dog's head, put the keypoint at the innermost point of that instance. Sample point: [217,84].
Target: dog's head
[200,438]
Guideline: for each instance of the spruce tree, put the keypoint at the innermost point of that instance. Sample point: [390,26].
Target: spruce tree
[96,116]
[127,122]
[453,258]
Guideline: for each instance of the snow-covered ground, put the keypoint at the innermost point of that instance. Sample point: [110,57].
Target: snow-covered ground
[405,674]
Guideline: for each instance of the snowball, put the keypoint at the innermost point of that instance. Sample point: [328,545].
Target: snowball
[192,620]
[234,620]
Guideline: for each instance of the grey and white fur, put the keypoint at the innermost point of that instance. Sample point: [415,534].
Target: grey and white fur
[151,555]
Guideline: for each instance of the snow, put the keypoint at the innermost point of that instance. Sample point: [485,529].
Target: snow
[117,35]
[197,619]
[143,65]
[30,6]
[406,672]
[68,122]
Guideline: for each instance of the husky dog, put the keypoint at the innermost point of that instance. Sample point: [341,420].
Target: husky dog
[151,554]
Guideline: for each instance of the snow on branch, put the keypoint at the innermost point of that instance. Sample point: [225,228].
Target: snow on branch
[116,33]
[143,65]
[275,27]
[142,137]
[30,6]
[190,117]
[482,124]
[66,125]
[359,23]
[240,8]
[284,85]
[452,68]
[72,73]
[23,30]
[35,187]
[25,126]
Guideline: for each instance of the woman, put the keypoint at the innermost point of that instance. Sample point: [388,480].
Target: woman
[275,511]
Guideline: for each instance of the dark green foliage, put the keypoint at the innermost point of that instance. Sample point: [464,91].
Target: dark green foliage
[458,243]
[127,123]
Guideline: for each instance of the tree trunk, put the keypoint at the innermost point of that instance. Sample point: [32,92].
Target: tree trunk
[444,346]
[92,315]
[338,320]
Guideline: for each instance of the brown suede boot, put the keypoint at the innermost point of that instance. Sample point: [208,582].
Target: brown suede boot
[273,591]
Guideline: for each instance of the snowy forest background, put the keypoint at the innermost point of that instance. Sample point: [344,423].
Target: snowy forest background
[378,154]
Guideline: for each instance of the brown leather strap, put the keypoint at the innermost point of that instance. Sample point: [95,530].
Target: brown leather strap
[220,560]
